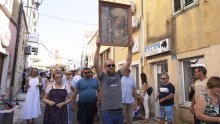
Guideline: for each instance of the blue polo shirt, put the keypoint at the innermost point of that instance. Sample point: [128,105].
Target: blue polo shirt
[87,90]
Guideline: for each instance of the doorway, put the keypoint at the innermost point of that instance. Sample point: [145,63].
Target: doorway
[159,68]
[135,74]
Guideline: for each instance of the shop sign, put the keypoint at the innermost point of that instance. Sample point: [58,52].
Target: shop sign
[158,48]
[33,37]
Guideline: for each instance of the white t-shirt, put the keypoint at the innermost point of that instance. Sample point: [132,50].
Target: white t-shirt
[200,87]
[65,86]
[76,78]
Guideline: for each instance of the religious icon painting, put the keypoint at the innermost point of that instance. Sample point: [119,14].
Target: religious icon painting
[114,24]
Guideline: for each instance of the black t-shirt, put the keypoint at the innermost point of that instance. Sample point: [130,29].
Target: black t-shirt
[165,90]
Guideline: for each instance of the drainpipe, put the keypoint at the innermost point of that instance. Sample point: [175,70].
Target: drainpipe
[142,37]
[16,49]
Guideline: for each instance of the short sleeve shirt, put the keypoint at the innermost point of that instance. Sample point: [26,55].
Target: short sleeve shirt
[200,87]
[71,82]
[87,90]
[128,84]
[111,92]
[165,90]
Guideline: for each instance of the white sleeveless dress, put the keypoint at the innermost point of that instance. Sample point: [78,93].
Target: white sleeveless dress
[32,102]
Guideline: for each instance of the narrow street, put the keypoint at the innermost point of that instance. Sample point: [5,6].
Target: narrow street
[18,111]
[127,45]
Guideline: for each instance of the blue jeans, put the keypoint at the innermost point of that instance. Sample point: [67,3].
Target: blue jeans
[112,117]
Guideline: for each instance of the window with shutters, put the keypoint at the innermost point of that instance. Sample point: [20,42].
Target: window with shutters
[182,5]
[8,4]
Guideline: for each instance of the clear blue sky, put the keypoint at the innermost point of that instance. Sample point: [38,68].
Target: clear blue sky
[67,36]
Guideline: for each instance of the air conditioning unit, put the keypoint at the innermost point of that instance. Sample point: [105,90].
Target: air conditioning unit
[135,23]
[35,49]
[28,50]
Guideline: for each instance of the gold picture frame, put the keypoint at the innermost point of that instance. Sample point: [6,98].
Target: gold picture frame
[114,24]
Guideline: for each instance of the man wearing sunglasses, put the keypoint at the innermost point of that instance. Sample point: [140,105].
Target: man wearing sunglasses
[166,99]
[110,85]
[87,87]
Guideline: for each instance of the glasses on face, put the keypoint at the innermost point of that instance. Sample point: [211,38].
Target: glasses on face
[68,74]
[87,72]
[110,65]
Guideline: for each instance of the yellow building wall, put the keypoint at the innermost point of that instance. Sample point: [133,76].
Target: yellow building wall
[194,29]
[120,53]
[194,32]
[157,16]
[198,27]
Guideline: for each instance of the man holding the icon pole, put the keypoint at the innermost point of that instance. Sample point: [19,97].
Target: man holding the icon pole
[110,85]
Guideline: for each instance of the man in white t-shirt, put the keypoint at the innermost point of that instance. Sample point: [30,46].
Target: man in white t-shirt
[129,96]
[200,87]
[76,76]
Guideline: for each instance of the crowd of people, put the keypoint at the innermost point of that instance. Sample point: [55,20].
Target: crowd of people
[111,95]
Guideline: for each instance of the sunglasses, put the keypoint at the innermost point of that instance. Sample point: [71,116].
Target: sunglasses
[163,78]
[86,72]
[68,74]
[110,65]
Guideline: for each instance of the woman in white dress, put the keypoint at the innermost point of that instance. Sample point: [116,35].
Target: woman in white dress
[31,108]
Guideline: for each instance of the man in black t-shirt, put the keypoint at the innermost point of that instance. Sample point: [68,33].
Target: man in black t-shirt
[166,99]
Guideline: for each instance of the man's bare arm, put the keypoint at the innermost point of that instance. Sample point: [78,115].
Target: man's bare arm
[128,59]
[96,58]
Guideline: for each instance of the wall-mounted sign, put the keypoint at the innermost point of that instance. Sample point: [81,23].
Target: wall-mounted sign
[158,47]
[33,37]
[135,47]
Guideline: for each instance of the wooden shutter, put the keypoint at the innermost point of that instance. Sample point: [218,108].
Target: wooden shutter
[177,6]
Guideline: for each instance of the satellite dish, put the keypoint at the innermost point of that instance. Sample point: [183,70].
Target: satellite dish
[5,37]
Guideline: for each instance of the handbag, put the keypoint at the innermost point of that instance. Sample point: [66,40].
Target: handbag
[149,91]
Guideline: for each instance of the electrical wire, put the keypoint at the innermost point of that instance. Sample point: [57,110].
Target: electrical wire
[47,49]
[68,20]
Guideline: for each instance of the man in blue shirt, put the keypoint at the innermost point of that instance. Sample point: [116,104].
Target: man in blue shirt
[87,87]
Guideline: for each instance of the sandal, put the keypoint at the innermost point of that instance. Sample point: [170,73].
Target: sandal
[145,121]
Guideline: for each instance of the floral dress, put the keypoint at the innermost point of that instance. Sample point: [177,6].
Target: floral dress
[211,110]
